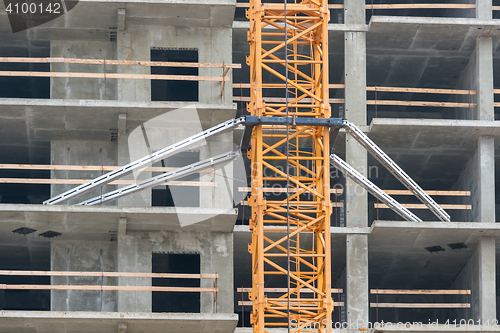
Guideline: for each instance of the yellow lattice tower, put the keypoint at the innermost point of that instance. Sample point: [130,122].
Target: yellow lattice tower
[292,258]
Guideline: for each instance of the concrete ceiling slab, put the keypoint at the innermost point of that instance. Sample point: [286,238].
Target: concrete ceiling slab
[92,19]
[136,322]
[96,223]
[426,52]
[398,257]
[447,27]
[432,151]
[431,134]
[57,119]
[397,254]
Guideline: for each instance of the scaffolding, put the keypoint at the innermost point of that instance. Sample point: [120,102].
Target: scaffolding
[289,43]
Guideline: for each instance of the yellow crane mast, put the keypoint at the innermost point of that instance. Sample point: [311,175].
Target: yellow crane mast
[290,234]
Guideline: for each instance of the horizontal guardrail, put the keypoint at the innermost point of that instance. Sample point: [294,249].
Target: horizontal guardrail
[104,75]
[419,292]
[108,287]
[380,102]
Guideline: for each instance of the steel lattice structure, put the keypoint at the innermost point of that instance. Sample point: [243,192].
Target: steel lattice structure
[302,260]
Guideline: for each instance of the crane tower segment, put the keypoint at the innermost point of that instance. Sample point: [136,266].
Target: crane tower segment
[290,233]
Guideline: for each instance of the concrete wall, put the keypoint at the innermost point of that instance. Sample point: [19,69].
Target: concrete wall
[216,256]
[83,256]
[82,88]
[214,46]
[467,81]
[479,276]
[478,76]
[478,177]
[73,152]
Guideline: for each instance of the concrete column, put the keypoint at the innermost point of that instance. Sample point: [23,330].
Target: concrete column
[357,302]
[479,276]
[355,107]
[487,286]
[478,75]
[484,70]
[483,9]
[354,12]
[478,176]
[486,172]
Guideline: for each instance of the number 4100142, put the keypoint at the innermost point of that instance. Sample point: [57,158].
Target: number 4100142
[33,8]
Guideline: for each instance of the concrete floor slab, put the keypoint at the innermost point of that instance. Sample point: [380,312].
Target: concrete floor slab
[430,134]
[398,257]
[432,151]
[135,322]
[96,223]
[490,26]
[92,19]
[52,119]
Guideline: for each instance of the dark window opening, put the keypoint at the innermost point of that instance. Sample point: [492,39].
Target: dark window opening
[179,196]
[25,87]
[170,90]
[19,299]
[166,301]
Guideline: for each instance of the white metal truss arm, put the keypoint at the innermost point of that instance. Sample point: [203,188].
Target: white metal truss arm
[393,168]
[164,177]
[372,188]
[146,161]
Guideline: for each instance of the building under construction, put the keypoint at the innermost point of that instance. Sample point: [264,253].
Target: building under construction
[221,166]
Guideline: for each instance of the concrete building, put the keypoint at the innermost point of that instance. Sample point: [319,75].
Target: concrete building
[446,140]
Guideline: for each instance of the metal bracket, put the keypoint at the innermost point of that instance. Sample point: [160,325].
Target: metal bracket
[252,121]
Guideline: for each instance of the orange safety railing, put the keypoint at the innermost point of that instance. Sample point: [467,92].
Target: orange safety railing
[379,292]
[433,193]
[391,102]
[102,287]
[88,168]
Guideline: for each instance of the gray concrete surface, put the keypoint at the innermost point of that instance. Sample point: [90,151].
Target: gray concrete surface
[83,256]
[101,322]
[216,255]
[480,277]
[72,152]
[80,88]
[86,222]
[357,299]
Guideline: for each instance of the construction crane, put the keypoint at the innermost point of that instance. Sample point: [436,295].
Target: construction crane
[288,142]
[289,48]
[289,45]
